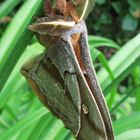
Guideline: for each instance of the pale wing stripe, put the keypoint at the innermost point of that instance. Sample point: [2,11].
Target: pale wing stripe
[84,11]
[63,23]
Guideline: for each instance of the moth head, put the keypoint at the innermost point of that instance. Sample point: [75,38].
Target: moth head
[52,25]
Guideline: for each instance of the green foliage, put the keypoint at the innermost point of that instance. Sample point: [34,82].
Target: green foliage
[129,135]
[23,117]
[123,15]
[18,37]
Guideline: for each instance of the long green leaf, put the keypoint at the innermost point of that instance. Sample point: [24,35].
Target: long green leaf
[129,135]
[126,123]
[49,132]
[16,38]
[16,80]
[97,41]
[122,64]
[15,130]
[41,125]
[7,6]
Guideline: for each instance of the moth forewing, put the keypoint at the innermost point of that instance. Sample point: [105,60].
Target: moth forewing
[92,82]
[61,97]
[84,7]
[67,93]
[91,122]
[58,26]
[94,85]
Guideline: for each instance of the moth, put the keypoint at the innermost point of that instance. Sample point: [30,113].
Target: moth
[64,79]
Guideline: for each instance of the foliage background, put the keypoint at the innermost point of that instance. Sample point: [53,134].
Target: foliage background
[115,48]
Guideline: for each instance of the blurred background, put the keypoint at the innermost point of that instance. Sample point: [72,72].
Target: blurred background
[114,43]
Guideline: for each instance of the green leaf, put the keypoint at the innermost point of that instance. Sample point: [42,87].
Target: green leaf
[136,77]
[62,134]
[37,129]
[127,123]
[129,23]
[40,127]
[127,95]
[97,41]
[135,4]
[15,130]
[94,53]
[16,38]
[121,64]
[104,62]
[101,2]
[16,81]
[7,6]
[129,135]
[48,132]
[117,6]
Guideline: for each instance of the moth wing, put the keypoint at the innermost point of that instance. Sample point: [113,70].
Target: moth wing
[92,125]
[95,86]
[61,97]
[85,7]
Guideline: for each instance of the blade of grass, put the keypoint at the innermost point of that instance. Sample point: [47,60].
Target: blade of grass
[123,74]
[136,77]
[69,136]
[96,41]
[16,38]
[129,135]
[8,109]
[3,123]
[94,53]
[22,124]
[7,6]
[35,132]
[61,134]
[127,123]
[104,62]
[25,133]
[122,64]
[49,132]
[132,91]
[41,125]
[16,81]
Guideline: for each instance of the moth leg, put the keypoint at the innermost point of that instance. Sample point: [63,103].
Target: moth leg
[94,85]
